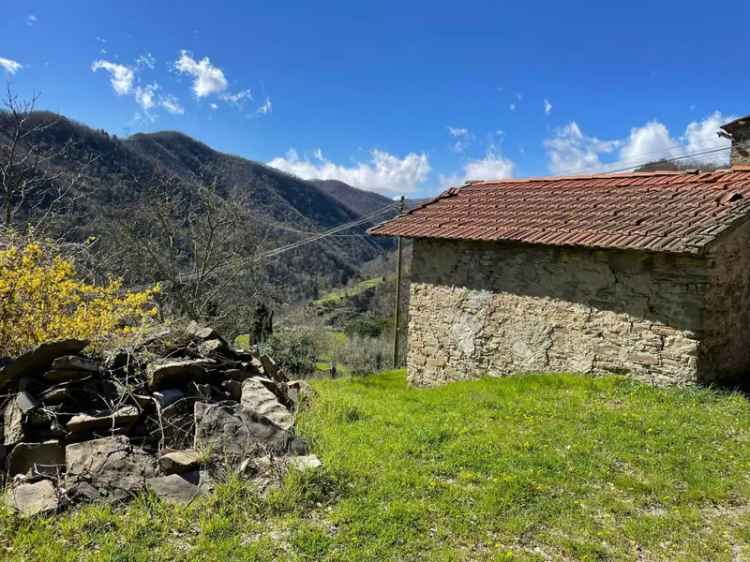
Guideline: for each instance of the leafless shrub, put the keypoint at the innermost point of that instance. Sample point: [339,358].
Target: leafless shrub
[34,176]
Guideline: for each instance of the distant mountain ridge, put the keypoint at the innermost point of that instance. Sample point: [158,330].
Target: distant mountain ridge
[276,197]
[356,200]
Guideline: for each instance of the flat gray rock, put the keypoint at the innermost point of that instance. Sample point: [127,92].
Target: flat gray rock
[229,432]
[112,465]
[175,488]
[305,462]
[66,375]
[84,422]
[76,363]
[46,458]
[39,359]
[55,395]
[214,346]
[201,332]
[166,373]
[178,462]
[257,398]
[240,375]
[33,498]
[14,415]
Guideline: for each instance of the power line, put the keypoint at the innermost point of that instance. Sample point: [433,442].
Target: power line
[241,262]
[326,234]
[284,227]
[643,163]
[636,164]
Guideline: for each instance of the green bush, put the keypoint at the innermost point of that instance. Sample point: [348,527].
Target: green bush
[295,350]
[365,327]
[365,355]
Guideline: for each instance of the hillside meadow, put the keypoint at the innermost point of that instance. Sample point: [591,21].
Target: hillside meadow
[537,467]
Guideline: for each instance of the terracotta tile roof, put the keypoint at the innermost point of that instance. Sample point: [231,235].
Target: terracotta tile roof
[680,212]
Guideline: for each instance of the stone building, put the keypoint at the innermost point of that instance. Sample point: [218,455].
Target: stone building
[646,274]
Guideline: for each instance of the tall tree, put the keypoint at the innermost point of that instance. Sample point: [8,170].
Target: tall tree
[34,174]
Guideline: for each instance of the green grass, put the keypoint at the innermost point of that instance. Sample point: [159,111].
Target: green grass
[533,467]
[335,339]
[334,297]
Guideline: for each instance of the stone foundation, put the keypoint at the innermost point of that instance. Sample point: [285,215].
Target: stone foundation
[497,309]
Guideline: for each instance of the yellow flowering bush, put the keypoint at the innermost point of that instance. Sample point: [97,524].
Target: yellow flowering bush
[42,298]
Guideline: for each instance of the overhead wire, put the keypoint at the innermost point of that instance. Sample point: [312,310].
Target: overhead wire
[637,164]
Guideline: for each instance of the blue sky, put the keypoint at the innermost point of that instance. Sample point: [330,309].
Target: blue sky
[398,97]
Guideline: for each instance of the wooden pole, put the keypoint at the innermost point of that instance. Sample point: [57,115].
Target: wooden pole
[397,306]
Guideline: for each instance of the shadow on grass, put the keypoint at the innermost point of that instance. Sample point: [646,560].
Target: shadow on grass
[739,384]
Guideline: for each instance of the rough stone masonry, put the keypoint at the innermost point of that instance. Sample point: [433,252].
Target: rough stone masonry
[488,308]
[174,412]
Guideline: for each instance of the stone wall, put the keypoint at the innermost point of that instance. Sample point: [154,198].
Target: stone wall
[497,309]
[727,333]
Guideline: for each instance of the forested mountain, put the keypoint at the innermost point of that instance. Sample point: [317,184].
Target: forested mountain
[120,178]
[356,200]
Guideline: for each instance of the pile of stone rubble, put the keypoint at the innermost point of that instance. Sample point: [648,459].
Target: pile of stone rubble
[173,415]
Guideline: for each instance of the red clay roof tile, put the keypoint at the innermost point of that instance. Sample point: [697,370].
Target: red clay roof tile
[680,212]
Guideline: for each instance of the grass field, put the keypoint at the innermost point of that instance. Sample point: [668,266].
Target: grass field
[537,467]
[334,297]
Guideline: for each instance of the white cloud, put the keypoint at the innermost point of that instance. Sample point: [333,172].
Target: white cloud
[207,78]
[31,19]
[512,107]
[492,167]
[652,140]
[239,97]
[146,60]
[266,107]
[146,96]
[462,136]
[121,77]
[214,106]
[701,136]
[547,107]
[125,80]
[570,151]
[10,66]
[384,172]
[172,104]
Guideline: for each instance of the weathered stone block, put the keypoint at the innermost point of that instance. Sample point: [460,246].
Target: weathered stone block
[111,465]
[176,488]
[46,458]
[177,462]
[85,422]
[230,431]
[35,498]
[256,397]
[166,373]
[39,359]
